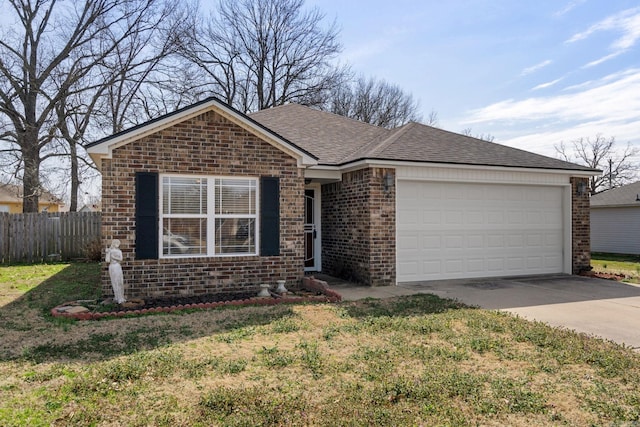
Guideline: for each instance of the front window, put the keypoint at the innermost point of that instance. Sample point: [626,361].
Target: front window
[205,216]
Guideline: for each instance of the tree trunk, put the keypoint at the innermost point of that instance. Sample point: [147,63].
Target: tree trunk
[75,179]
[31,180]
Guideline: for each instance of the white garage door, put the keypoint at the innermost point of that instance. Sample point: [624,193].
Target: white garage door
[454,230]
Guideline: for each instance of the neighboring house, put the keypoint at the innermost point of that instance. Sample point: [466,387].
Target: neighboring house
[11,200]
[207,199]
[90,207]
[615,220]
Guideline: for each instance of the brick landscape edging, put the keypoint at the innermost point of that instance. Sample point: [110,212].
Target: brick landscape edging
[308,283]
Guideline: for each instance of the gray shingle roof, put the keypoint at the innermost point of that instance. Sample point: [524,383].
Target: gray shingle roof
[329,137]
[621,196]
[337,140]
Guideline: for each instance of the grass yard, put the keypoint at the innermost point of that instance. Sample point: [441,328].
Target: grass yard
[415,360]
[619,264]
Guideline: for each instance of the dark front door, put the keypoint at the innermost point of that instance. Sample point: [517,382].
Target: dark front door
[311,229]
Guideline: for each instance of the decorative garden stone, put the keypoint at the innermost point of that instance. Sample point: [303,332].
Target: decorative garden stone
[114,257]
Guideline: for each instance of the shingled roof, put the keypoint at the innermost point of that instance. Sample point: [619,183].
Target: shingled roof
[626,195]
[330,137]
[337,140]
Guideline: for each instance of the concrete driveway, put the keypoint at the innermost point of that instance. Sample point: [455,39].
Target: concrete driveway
[604,308]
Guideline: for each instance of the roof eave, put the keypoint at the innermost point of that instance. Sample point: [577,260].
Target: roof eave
[357,163]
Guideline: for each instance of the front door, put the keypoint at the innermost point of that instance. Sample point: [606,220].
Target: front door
[312,246]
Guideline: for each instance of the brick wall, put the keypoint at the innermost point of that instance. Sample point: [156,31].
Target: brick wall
[206,145]
[580,227]
[358,228]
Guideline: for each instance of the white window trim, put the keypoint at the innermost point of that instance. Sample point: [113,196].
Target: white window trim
[210,216]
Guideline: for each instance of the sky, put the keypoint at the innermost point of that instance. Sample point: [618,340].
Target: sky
[530,73]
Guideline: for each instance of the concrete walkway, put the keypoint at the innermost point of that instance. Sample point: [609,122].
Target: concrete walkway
[603,308]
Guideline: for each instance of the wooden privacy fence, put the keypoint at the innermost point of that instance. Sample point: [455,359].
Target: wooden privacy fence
[38,237]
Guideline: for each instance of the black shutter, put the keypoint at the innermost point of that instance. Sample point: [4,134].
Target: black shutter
[147,215]
[270,216]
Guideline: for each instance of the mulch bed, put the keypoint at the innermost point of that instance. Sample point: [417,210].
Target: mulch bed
[316,291]
[198,299]
[607,276]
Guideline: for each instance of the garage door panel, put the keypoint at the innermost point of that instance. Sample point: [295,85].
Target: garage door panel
[476,265]
[453,217]
[453,266]
[475,242]
[431,242]
[534,240]
[515,264]
[495,264]
[453,242]
[411,218]
[495,217]
[495,241]
[515,217]
[535,218]
[515,241]
[554,261]
[474,217]
[553,240]
[431,217]
[477,230]
[410,243]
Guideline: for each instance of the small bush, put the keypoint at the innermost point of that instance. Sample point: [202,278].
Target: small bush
[93,250]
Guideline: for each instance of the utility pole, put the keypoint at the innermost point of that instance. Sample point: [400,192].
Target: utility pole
[610,174]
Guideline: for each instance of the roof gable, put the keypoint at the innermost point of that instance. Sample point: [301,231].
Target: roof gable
[104,147]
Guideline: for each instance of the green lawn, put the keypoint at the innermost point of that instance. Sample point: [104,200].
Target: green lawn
[627,265]
[417,360]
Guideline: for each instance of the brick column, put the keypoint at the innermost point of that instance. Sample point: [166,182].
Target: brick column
[359,226]
[580,227]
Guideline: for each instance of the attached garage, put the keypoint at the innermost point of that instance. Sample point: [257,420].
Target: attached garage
[421,203]
[453,230]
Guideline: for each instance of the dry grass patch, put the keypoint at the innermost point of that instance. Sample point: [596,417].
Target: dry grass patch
[403,361]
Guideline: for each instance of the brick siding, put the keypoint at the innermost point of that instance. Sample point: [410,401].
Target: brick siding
[580,227]
[359,228]
[210,145]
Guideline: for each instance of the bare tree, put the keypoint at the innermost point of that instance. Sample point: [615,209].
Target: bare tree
[601,153]
[171,87]
[432,119]
[50,48]
[376,102]
[485,137]
[257,54]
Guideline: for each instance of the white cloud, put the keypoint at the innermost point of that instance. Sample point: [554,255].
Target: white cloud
[372,49]
[610,105]
[601,60]
[547,84]
[615,95]
[568,8]
[536,67]
[544,141]
[626,22]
